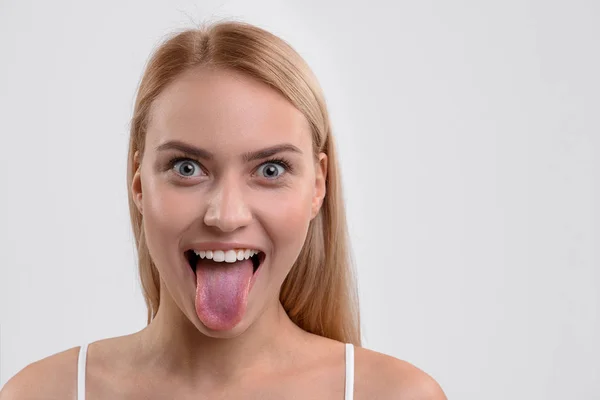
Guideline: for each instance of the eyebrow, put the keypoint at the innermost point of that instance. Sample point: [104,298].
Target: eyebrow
[200,153]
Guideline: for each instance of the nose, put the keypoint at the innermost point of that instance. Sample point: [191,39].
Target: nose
[227,209]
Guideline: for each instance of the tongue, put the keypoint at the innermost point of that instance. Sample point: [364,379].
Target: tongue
[222,292]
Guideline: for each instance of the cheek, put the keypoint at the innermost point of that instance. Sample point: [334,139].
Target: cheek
[164,219]
[287,217]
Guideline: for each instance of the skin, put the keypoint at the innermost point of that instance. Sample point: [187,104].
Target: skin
[225,199]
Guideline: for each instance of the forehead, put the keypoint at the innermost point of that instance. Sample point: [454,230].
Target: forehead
[216,107]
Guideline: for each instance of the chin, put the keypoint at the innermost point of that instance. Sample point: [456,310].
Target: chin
[218,332]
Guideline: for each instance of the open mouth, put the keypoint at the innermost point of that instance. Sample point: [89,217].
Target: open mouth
[193,258]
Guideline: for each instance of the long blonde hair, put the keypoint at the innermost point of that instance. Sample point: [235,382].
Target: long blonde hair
[320,293]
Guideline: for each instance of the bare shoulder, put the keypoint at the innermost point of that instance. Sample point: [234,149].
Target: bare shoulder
[53,377]
[384,377]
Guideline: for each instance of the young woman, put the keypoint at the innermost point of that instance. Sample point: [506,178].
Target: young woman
[236,207]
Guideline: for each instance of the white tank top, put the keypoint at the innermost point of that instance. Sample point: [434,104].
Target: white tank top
[349,381]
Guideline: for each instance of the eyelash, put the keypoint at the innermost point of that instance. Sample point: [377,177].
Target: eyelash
[277,160]
[280,161]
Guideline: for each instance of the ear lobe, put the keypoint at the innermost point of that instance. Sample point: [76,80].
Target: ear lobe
[136,183]
[320,184]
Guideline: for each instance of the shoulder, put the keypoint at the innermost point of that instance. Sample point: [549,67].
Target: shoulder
[384,377]
[53,377]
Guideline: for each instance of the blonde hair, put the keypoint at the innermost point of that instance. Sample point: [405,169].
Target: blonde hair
[319,294]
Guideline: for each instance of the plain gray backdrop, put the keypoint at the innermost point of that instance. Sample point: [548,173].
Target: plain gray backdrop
[469,141]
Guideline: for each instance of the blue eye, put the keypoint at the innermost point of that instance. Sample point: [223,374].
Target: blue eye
[186,167]
[271,170]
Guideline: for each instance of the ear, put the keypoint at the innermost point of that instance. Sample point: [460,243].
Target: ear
[136,183]
[320,186]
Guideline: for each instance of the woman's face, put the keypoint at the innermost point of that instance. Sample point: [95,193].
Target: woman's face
[228,165]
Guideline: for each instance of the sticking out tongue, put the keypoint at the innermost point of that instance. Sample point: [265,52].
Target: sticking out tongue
[222,292]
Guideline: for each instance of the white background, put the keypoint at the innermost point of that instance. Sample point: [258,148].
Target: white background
[469,137]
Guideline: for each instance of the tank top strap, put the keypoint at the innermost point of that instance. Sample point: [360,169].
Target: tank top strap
[81,363]
[349,392]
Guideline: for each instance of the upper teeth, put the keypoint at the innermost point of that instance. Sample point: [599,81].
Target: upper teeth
[229,256]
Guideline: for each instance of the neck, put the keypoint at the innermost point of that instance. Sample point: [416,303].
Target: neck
[174,345]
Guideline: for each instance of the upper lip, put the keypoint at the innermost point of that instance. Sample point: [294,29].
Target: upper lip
[198,246]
